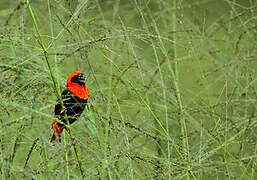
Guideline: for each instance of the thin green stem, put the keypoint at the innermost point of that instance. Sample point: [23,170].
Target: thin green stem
[55,85]
[149,109]
[177,89]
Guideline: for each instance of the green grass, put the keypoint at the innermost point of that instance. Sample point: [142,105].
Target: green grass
[172,89]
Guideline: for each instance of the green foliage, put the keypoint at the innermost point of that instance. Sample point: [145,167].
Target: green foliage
[172,89]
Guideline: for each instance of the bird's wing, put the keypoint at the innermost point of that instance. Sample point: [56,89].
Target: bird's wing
[58,107]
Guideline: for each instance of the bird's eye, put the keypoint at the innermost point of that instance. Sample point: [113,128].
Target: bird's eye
[81,77]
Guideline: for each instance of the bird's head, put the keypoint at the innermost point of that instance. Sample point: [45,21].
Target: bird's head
[79,78]
[76,83]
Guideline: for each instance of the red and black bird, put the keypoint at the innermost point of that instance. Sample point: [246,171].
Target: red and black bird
[74,100]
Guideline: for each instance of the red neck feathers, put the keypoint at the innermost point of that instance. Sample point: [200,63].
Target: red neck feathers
[76,89]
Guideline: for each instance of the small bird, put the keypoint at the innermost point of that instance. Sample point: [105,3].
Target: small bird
[74,100]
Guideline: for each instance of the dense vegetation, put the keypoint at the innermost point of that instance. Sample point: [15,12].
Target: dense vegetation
[172,88]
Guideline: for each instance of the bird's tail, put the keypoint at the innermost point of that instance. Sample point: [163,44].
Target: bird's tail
[56,138]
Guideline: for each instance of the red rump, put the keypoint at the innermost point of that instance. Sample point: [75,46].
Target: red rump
[57,130]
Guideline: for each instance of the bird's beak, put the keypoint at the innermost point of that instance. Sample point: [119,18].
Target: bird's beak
[83,81]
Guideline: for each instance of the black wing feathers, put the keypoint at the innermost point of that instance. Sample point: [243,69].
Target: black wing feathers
[73,107]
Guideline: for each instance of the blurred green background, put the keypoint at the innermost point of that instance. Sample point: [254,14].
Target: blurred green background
[172,89]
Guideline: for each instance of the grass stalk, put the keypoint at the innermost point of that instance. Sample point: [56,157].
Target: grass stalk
[175,81]
[164,93]
[130,165]
[55,85]
[177,89]
[149,109]
[64,135]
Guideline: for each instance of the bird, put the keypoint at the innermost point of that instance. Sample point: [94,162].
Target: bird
[74,99]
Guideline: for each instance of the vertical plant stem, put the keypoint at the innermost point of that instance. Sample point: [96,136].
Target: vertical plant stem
[55,85]
[149,109]
[106,166]
[107,124]
[126,141]
[64,135]
[66,157]
[177,90]
[2,167]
